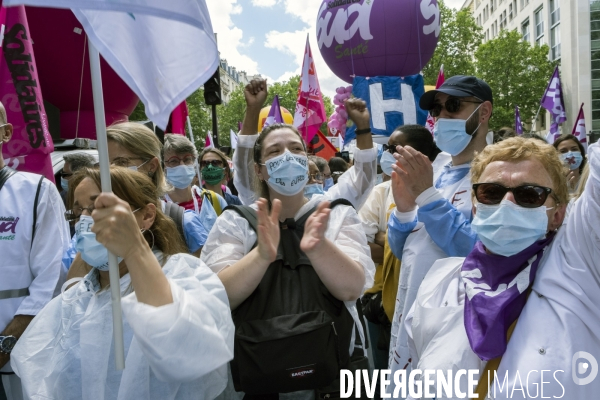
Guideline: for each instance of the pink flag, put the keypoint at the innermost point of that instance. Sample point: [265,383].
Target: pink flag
[178,119]
[430,123]
[310,109]
[208,142]
[579,130]
[31,144]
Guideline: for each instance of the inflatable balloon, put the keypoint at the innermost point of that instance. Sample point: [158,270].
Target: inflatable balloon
[59,45]
[288,118]
[377,37]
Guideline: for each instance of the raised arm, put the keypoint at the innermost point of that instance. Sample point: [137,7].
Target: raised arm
[356,183]
[255,94]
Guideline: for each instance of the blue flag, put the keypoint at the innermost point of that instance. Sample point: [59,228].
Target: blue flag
[392,102]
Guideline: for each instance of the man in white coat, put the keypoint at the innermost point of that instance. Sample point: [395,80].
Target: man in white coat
[33,236]
[432,219]
[523,307]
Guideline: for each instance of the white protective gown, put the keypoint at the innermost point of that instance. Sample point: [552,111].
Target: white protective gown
[24,265]
[177,351]
[354,185]
[561,316]
[419,254]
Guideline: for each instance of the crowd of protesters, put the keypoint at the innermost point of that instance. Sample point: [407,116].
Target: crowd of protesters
[468,256]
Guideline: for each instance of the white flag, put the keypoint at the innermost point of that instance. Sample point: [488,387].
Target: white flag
[163,50]
[234,139]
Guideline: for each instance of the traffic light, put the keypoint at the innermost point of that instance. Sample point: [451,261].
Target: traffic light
[212,90]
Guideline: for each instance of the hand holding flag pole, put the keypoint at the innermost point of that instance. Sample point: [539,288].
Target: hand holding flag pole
[113,265]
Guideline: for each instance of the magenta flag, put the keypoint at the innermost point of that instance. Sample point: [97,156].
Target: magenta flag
[518,123]
[430,123]
[579,130]
[310,109]
[178,119]
[553,102]
[31,144]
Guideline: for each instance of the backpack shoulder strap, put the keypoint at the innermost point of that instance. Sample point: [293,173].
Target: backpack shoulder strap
[340,202]
[35,208]
[175,212]
[5,173]
[214,200]
[248,213]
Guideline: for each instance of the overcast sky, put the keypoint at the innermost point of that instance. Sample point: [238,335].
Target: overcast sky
[268,37]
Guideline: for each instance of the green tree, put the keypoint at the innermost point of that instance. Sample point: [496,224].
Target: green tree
[518,74]
[460,36]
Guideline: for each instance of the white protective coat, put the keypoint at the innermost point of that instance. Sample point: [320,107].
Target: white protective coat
[561,316]
[177,351]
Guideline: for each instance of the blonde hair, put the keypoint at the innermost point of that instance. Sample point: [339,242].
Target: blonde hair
[582,181]
[518,149]
[142,142]
[138,190]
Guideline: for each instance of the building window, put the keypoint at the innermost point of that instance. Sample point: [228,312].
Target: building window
[491,7]
[515,8]
[524,3]
[554,30]
[525,30]
[510,12]
[539,26]
[503,20]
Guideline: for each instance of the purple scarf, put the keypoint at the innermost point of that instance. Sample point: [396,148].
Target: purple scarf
[496,292]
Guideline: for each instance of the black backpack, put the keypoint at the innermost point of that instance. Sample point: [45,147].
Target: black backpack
[291,333]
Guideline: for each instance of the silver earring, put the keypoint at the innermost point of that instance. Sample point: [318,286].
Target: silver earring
[151,233]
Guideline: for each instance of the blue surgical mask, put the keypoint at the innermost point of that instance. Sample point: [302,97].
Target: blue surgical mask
[386,162]
[451,135]
[507,229]
[312,189]
[64,184]
[181,176]
[92,251]
[328,184]
[572,159]
[288,173]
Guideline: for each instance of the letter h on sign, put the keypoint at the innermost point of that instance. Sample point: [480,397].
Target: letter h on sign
[392,101]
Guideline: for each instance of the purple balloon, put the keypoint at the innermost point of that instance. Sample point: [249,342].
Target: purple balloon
[377,37]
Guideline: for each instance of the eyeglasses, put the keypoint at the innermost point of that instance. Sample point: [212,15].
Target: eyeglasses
[126,161]
[74,214]
[390,148]
[316,177]
[527,196]
[452,105]
[175,161]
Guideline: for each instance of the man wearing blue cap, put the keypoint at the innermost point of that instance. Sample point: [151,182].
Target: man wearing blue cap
[433,215]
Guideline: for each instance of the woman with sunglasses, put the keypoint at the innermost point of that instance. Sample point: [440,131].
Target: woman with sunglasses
[527,298]
[175,309]
[214,167]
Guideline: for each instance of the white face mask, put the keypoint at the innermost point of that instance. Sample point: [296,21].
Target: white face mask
[288,173]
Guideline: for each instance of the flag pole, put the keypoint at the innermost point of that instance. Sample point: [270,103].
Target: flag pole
[535,119]
[189,124]
[115,287]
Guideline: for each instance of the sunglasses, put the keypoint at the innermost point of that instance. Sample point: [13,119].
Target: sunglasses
[452,105]
[527,196]
[390,148]
[214,163]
